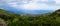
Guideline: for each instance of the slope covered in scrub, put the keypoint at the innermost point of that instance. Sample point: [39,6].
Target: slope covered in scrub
[49,19]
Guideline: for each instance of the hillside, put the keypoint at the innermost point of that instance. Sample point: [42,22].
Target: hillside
[49,19]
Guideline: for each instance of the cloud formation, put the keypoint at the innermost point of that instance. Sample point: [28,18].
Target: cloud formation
[34,4]
[57,1]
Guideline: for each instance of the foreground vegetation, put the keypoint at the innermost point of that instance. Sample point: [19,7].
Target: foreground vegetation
[11,19]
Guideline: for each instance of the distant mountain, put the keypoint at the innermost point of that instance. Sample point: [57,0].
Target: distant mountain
[30,11]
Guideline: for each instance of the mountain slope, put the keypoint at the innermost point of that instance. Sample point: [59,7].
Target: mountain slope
[48,19]
[6,15]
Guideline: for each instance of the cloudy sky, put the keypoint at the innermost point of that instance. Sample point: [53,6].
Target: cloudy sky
[32,4]
[26,5]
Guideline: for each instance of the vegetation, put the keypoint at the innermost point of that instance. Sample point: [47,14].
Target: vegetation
[50,19]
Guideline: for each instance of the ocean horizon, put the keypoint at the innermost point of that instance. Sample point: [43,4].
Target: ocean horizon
[30,11]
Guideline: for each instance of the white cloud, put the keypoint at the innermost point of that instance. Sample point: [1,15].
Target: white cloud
[57,1]
[32,5]
[44,0]
[13,4]
[35,6]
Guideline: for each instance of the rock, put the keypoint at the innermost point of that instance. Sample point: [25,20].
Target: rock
[2,22]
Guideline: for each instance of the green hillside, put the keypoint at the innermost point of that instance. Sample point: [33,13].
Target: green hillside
[11,19]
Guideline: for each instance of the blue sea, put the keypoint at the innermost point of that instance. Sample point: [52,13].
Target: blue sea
[30,11]
[16,11]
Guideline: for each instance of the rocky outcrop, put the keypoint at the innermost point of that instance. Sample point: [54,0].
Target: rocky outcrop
[2,22]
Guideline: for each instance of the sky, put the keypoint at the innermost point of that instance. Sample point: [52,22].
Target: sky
[30,4]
